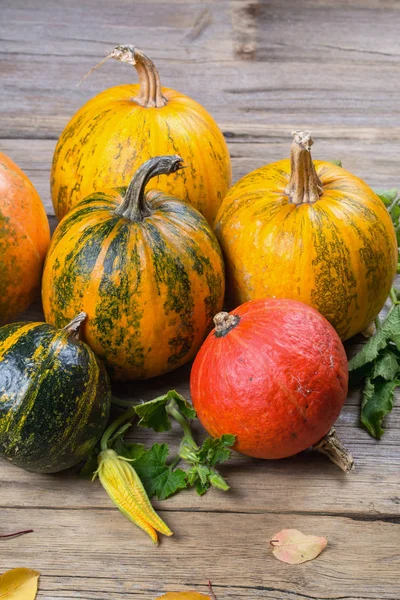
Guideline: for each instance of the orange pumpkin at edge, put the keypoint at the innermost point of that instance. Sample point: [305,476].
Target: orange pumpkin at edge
[274,373]
[24,239]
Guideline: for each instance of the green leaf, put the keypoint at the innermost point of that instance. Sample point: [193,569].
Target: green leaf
[119,433]
[202,478]
[157,477]
[154,414]
[377,401]
[216,450]
[202,475]
[390,330]
[90,466]
[131,451]
[338,163]
[386,366]
[387,196]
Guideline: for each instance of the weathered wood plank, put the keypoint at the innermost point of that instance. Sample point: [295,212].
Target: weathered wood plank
[310,63]
[117,560]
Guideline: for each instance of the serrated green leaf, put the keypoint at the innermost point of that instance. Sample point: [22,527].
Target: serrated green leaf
[157,477]
[390,330]
[203,477]
[378,397]
[119,433]
[386,366]
[131,451]
[216,450]
[387,196]
[154,415]
[395,212]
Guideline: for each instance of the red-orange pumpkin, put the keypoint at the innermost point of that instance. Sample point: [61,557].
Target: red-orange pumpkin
[274,373]
[24,239]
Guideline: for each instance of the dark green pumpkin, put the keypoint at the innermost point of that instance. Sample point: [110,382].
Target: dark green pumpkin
[54,396]
[145,267]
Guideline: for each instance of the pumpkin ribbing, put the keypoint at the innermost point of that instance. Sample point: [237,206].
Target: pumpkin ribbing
[150,279]
[54,396]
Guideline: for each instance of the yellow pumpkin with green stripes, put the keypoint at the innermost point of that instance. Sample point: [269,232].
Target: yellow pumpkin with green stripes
[54,396]
[120,128]
[309,231]
[145,267]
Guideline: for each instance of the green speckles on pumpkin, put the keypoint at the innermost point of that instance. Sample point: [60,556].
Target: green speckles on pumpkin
[119,310]
[173,282]
[150,288]
[335,288]
[69,280]
[54,397]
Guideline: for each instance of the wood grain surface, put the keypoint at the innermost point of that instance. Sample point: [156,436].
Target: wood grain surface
[262,69]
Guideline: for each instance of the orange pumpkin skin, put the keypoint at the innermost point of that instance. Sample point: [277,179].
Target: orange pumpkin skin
[337,254]
[276,377]
[24,239]
[113,134]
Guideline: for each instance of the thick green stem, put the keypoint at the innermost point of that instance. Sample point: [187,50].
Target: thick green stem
[377,322]
[175,462]
[175,413]
[134,206]
[122,403]
[129,414]
[393,296]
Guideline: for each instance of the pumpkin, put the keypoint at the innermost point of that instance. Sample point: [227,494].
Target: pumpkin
[24,238]
[54,396]
[145,267]
[274,373]
[312,232]
[116,131]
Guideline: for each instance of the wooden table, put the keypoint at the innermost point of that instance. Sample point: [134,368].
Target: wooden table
[276,66]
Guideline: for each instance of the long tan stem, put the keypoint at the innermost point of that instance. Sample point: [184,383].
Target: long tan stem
[304,185]
[150,94]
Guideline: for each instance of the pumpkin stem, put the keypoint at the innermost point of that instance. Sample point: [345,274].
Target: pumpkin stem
[224,322]
[335,450]
[74,326]
[134,205]
[150,94]
[304,185]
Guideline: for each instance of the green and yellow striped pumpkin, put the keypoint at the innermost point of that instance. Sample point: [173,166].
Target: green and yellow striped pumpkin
[54,396]
[309,231]
[145,267]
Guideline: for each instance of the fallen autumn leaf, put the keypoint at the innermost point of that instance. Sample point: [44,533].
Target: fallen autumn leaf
[19,584]
[293,547]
